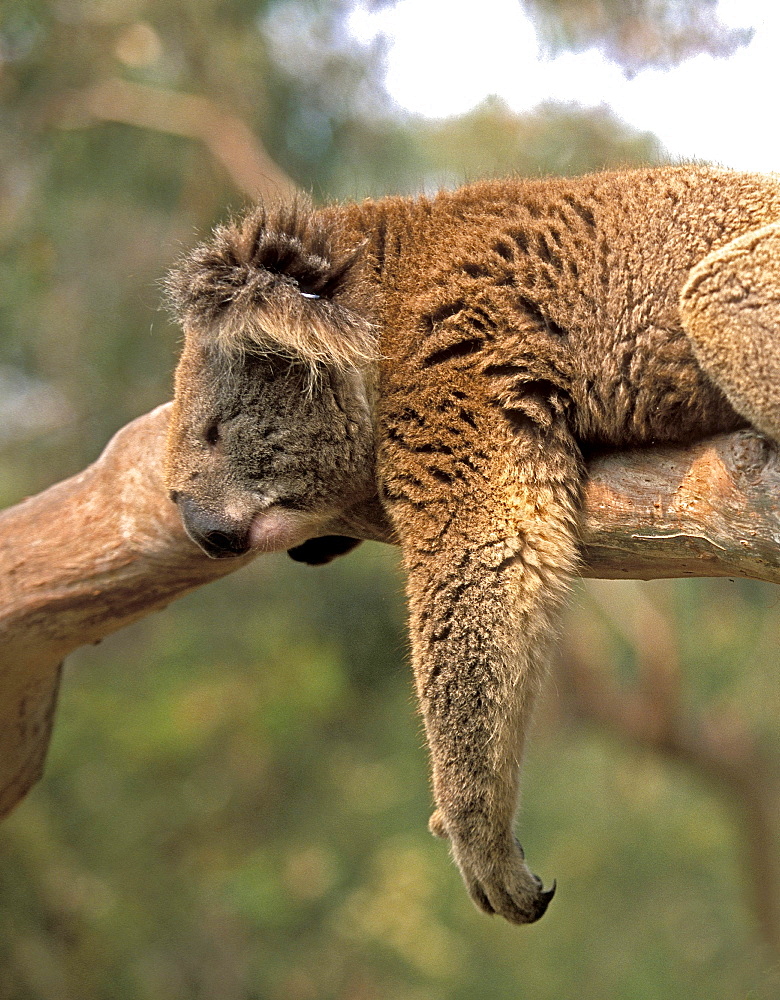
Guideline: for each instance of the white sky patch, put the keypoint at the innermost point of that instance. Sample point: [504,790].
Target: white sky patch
[445,56]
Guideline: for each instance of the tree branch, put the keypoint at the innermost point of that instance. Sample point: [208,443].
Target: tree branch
[706,510]
[104,548]
[77,562]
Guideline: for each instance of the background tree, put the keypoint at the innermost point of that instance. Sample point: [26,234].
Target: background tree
[236,798]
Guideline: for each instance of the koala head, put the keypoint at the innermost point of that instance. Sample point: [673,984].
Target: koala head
[271,437]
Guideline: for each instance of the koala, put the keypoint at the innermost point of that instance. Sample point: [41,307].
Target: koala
[434,372]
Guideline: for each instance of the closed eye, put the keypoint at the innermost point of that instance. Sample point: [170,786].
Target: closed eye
[292,502]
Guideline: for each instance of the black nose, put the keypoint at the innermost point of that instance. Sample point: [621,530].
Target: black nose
[218,536]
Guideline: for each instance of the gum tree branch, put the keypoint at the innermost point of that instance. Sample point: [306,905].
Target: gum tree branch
[104,548]
[706,510]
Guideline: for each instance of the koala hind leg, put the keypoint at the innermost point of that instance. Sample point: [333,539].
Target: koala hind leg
[730,309]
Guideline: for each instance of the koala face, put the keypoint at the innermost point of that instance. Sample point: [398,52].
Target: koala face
[264,452]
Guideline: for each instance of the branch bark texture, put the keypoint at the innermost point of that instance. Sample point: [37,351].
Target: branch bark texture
[106,547]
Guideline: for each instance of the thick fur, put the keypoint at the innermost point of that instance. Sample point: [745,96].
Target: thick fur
[273,282]
[470,349]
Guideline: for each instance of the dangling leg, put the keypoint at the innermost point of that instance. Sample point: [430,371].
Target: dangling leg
[488,537]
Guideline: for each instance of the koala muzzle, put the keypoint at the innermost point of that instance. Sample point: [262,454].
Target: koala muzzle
[220,537]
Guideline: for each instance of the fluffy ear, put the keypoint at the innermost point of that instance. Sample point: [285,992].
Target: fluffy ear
[275,283]
[318,551]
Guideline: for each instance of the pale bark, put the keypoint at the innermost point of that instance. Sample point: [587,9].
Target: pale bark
[707,510]
[106,547]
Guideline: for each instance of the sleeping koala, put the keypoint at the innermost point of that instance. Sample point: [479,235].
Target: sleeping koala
[429,372]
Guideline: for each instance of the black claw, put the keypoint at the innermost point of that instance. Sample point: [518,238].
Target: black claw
[543,901]
[519,846]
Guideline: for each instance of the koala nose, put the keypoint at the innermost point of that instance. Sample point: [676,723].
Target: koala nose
[219,537]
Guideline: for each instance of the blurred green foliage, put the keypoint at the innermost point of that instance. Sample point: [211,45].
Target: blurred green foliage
[236,798]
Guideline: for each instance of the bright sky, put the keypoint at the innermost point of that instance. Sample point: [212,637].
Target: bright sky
[445,56]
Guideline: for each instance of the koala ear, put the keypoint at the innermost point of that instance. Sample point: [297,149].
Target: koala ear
[318,551]
[274,282]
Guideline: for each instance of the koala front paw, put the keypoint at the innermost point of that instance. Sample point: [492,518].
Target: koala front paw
[504,885]
[497,878]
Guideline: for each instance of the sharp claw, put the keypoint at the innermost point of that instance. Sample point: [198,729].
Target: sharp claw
[543,901]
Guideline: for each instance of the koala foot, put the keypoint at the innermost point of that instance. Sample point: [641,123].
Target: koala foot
[498,879]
